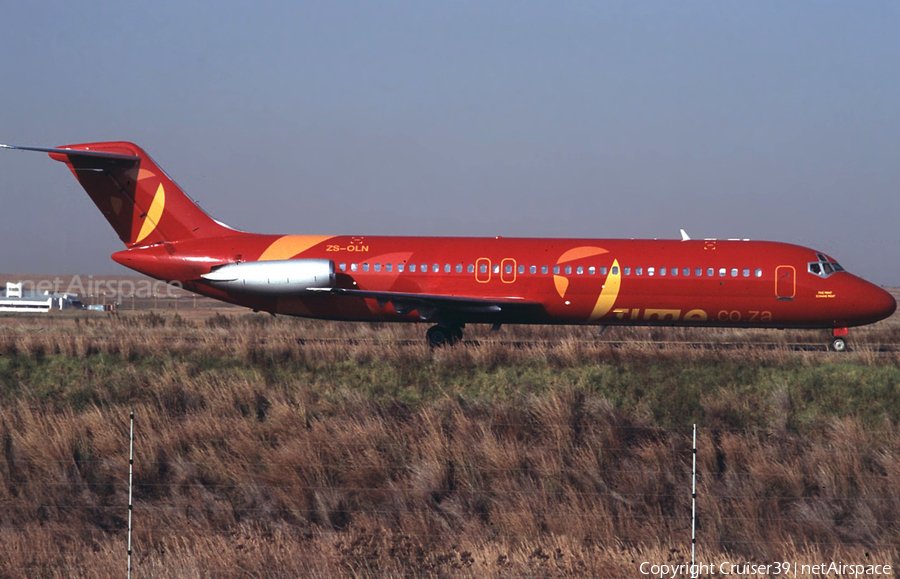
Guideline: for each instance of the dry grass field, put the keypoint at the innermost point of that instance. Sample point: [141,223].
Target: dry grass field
[270,447]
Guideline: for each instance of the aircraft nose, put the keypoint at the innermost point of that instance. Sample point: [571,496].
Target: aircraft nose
[875,303]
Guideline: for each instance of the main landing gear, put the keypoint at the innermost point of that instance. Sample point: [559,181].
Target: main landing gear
[839,343]
[443,335]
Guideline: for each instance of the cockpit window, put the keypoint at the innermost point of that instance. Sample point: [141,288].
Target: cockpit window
[823,268]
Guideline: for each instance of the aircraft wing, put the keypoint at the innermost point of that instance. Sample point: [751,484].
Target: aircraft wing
[429,304]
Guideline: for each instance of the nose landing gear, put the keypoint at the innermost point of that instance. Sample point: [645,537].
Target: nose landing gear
[839,342]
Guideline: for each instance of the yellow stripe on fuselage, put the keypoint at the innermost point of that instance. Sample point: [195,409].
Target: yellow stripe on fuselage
[608,294]
[289,246]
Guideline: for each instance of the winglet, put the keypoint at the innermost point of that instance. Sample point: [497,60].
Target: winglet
[685,236]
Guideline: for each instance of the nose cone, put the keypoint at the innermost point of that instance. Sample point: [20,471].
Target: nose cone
[873,303]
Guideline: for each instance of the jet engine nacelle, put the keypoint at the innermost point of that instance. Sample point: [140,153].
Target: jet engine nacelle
[284,277]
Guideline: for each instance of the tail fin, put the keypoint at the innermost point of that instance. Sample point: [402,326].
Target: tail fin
[135,195]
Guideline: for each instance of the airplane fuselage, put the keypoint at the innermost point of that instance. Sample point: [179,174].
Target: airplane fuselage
[575,281]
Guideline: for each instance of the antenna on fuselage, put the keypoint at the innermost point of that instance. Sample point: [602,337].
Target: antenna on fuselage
[685,236]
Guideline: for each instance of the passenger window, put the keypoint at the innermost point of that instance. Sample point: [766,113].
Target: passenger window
[482,268]
[458,268]
[343,267]
[687,271]
[734,272]
[722,272]
[662,271]
[758,273]
[532,269]
[556,269]
[710,272]
[603,270]
[412,268]
[674,271]
[592,270]
[353,267]
[365,267]
[400,267]
[698,272]
[568,269]
[543,269]
[746,272]
[639,271]
[496,269]
[627,271]
[615,271]
[521,269]
[435,268]
[377,267]
[651,270]
[388,267]
[447,268]
[470,268]
[579,270]
[508,268]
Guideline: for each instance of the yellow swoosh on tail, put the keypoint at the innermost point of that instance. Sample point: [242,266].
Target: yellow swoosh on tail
[153,214]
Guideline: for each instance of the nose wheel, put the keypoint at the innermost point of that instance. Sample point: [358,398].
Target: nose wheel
[839,340]
[438,336]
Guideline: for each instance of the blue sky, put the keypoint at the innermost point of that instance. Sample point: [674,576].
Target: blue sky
[766,120]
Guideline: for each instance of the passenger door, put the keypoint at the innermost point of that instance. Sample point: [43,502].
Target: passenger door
[785,282]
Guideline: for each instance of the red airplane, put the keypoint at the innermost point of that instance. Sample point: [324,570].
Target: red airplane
[454,281]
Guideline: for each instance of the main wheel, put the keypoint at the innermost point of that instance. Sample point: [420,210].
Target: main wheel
[438,336]
[838,345]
